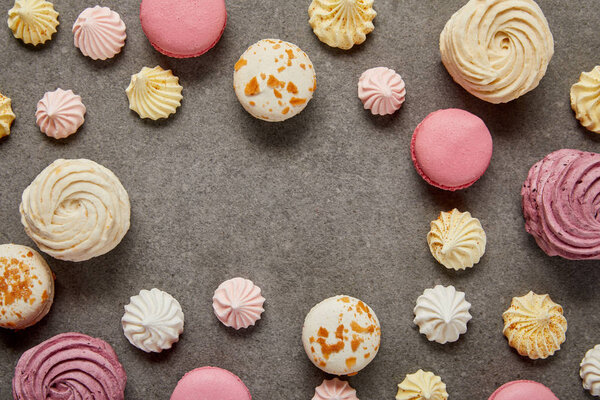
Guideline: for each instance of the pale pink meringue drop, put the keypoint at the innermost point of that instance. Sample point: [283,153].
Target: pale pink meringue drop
[60,113]
[99,33]
[334,389]
[381,90]
[238,303]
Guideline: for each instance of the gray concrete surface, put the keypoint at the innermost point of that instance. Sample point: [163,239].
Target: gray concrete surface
[324,204]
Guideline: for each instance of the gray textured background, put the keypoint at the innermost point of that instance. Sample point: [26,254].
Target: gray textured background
[323,204]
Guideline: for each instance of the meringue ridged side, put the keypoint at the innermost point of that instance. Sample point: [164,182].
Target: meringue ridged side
[590,371]
[6,116]
[33,21]
[381,90]
[154,93]
[60,113]
[334,389]
[585,99]
[99,33]
[422,386]
[238,303]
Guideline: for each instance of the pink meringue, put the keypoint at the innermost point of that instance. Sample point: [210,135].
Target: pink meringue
[334,389]
[60,113]
[381,90]
[99,33]
[238,303]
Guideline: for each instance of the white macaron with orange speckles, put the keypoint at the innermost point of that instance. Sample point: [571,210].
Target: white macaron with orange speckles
[274,80]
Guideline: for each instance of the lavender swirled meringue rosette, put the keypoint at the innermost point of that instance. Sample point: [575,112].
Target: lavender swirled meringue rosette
[70,366]
[561,204]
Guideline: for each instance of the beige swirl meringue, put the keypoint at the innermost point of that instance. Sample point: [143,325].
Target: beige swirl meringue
[497,50]
[153,321]
[381,90]
[535,326]
[6,116]
[154,93]
[60,113]
[334,389]
[590,371]
[238,303]
[585,99]
[99,33]
[456,240]
[33,21]
[342,23]
[75,210]
[422,386]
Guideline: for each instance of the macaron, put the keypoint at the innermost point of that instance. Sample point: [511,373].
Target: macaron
[523,390]
[451,149]
[183,28]
[210,383]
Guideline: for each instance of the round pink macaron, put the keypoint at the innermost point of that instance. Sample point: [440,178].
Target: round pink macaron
[451,148]
[210,383]
[523,390]
[183,28]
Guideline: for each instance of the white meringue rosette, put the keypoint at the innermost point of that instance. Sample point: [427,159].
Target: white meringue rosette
[590,371]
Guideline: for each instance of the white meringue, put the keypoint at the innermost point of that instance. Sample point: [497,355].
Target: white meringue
[442,314]
[33,21]
[590,371]
[6,116]
[422,386]
[99,33]
[334,389]
[585,99]
[153,321]
[381,90]
[60,113]
[238,303]
[154,93]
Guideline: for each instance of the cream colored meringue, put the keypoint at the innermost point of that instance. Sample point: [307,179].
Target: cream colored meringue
[154,93]
[497,50]
[238,303]
[456,240]
[334,389]
[6,116]
[585,99]
[153,321]
[381,90]
[422,386]
[535,326]
[99,33]
[342,23]
[33,21]
[442,314]
[60,113]
[75,210]
[590,371]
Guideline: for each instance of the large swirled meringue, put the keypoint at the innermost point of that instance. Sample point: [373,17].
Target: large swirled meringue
[534,325]
[334,389]
[154,93]
[238,303]
[590,371]
[381,90]
[456,240]
[560,204]
[6,116]
[153,320]
[60,113]
[33,21]
[442,314]
[422,386]
[497,50]
[99,33]
[342,23]
[69,366]
[585,99]
[75,210]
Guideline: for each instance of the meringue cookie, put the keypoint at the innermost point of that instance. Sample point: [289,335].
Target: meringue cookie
[456,240]
[334,389]
[590,371]
[153,321]
[585,99]
[535,326]
[381,90]
[60,113]
[99,33]
[422,386]
[341,335]
[154,93]
[238,303]
[497,50]
[33,21]
[26,287]
[442,314]
[342,23]
[6,116]
[75,210]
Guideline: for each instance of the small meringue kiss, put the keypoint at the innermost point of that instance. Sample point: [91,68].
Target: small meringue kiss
[60,113]
[238,303]
[99,33]
[381,90]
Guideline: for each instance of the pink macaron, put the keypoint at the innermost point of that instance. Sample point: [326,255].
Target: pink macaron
[451,149]
[210,383]
[523,390]
[183,28]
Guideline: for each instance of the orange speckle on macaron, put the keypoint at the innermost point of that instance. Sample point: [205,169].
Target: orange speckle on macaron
[241,62]
[252,87]
[292,88]
[296,101]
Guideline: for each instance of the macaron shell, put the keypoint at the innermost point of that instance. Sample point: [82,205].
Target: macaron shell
[210,383]
[183,28]
[523,390]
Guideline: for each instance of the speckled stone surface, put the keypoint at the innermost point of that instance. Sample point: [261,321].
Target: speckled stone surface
[323,204]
